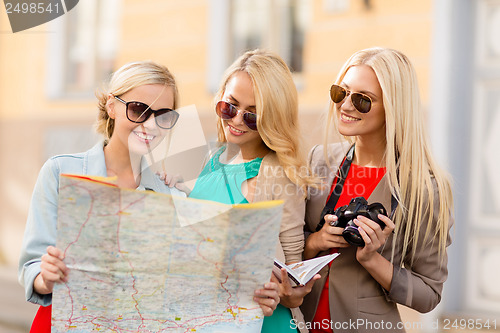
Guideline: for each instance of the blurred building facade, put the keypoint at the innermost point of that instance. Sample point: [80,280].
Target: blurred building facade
[48,76]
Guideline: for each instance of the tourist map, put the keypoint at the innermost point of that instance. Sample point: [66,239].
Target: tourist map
[142,261]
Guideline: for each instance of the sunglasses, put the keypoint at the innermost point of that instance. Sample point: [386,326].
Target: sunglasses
[361,102]
[138,112]
[228,111]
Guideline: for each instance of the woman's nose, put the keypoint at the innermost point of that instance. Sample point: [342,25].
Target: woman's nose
[238,119]
[150,122]
[347,104]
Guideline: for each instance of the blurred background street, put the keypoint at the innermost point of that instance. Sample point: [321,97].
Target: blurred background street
[15,313]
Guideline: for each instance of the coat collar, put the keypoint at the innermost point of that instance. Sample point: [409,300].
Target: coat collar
[94,162]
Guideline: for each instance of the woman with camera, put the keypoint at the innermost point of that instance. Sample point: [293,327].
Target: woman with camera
[396,255]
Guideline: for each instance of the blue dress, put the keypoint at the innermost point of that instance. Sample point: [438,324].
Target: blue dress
[222,183]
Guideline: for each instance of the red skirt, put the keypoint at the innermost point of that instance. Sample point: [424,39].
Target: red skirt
[42,321]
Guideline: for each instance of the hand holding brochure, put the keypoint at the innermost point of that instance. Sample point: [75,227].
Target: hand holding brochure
[302,272]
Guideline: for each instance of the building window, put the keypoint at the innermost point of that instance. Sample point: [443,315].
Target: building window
[237,26]
[83,48]
[338,6]
[278,25]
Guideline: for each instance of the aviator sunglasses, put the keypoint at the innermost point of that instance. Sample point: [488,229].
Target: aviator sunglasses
[361,102]
[138,112]
[228,111]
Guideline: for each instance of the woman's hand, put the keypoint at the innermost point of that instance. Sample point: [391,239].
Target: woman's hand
[268,298]
[53,270]
[292,297]
[379,268]
[328,237]
[373,235]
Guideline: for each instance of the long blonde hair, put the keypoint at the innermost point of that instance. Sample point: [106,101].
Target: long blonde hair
[276,108]
[412,172]
[126,78]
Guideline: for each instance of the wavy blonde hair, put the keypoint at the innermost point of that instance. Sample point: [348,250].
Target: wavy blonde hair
[413,173]
[126,78]
[277,110]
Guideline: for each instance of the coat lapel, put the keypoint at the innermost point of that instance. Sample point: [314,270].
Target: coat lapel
[382,194]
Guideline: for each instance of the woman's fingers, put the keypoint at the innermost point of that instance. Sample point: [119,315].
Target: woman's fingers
[55,252]
[166,178]
[52,262]
[50,276]
[50,267]
[331,241]
[364,235]
[286,286]
[270,290]
[330,219]
[331,236]
[373,235]
[372,228]
[267,305]
[389,225]
[268,298]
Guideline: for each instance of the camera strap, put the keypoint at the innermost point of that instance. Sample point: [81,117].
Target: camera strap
[337,190]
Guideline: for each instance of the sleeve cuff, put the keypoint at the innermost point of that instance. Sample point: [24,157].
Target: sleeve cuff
[399,287]
[31,295]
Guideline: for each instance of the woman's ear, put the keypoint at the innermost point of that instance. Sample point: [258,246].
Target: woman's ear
[110,106]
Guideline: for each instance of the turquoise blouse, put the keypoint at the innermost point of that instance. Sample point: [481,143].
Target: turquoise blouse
[222,182]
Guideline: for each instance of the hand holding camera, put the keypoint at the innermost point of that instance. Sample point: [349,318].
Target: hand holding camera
[338,230]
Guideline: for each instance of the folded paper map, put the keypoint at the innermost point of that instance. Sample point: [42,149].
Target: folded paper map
[142,261]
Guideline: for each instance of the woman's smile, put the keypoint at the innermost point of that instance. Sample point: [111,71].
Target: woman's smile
[234,131]
[348,119]
[144,137]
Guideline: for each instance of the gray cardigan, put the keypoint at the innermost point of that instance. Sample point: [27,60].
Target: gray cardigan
[273,184]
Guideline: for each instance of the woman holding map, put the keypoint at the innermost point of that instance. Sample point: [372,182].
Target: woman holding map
[397,255]
[259,158]
[136,112]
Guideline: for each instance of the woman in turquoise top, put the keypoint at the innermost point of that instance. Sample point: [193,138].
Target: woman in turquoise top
[260,159]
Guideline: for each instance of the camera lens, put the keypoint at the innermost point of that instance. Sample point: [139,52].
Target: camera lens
[352,236]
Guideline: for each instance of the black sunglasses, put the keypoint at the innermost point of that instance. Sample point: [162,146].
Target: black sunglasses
[138,112]
[227,111]
[362,102]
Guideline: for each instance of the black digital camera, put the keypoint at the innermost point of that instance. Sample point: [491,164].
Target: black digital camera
[346,215]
